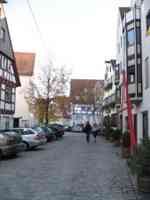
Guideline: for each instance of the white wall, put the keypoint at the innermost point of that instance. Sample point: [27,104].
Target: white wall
[145,53]
[22,109]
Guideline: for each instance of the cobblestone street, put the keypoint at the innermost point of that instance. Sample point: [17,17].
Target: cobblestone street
[69,169]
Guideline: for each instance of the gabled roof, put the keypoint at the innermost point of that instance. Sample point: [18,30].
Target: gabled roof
[25,63]
[124,10]
[6,47]
[79,86]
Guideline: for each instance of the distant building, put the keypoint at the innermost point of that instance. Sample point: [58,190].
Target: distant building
[25,65]
[62,111]
[86,100]
[9,78]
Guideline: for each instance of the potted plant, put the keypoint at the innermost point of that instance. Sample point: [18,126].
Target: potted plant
[125,144]
[139,163]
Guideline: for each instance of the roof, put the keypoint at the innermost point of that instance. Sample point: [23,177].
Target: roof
[124,10]
[6,47]
[80,86]
[25,63]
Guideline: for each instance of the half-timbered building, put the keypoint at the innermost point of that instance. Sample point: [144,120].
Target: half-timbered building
[9,78]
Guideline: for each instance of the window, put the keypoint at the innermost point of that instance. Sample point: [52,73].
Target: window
[118,47]
[148,23]
[126,122]
[8,94]
[135,125]
[1,57]
[118,94]
[4,62]
[147,73]
[7,122]
[2,34]
[131,78]
[138,33]
[121,42]
[131,37]
[145,124]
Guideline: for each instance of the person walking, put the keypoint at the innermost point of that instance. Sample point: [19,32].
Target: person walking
[87,130]
[95,131]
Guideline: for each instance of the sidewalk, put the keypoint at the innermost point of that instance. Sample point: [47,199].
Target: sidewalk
[132,179]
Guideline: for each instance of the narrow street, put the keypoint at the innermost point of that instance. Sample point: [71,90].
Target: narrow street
[69,169]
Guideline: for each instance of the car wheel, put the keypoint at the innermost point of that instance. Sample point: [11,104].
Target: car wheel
[26,146]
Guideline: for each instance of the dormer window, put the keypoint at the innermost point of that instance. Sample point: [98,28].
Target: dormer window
[148,23]
[2,34]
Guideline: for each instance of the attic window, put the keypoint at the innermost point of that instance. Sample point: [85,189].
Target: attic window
[148,23]
[2,34]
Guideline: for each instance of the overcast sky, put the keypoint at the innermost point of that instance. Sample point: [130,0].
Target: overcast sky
[78,33]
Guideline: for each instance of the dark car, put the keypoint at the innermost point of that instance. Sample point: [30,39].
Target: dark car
[67,128]
[49,133]
[58,128]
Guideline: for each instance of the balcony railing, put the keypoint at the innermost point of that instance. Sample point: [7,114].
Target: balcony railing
[109,101]
[131,89]
[132,93]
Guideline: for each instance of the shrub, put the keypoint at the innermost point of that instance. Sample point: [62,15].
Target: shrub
[116,134]
[126,139]
[107,127]
[139,162]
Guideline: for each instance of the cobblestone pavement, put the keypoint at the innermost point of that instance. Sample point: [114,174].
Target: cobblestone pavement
[69,169]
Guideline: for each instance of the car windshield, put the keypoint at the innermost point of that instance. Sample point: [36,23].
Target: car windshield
[28,132]
[38,129]
[19,131]
[50,130]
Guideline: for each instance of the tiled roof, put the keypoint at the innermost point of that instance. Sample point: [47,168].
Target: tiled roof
[25,63]
[79,86]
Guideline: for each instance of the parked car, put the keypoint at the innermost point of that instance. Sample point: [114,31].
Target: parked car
[31,138]
[77,128]
[48,132]
[67,128]
[58,128]
[10,143]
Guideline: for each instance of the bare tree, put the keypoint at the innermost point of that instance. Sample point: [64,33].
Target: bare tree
[52,82]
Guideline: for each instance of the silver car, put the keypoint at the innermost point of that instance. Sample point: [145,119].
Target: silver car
[31,138]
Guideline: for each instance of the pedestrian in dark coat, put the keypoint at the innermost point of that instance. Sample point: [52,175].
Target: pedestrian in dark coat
[95,131]
[87,130]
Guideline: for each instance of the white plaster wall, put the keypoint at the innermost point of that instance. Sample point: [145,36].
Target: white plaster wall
[145,53]
[22,109]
